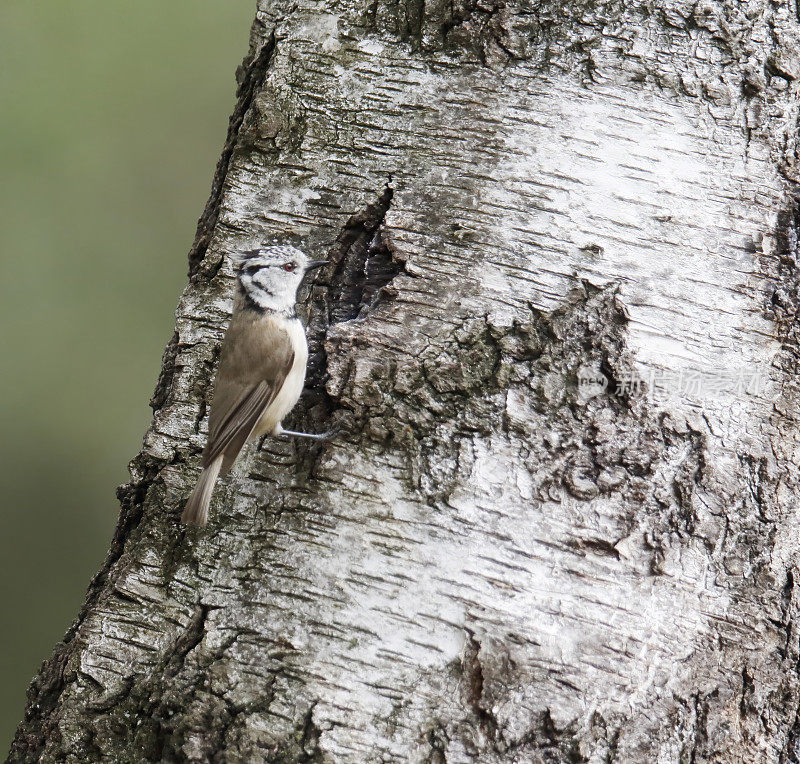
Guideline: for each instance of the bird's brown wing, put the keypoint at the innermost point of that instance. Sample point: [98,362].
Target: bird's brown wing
[239,424]
[257,355]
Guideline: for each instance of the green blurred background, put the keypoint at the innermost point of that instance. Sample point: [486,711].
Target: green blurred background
[112,116]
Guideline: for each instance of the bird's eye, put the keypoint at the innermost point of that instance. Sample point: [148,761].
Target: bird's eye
[289,267]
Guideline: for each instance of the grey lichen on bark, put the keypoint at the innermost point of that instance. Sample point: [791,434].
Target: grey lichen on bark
[488,565]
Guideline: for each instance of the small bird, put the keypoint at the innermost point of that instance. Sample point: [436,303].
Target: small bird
[262,366]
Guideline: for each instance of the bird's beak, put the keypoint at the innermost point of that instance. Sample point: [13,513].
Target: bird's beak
[316,264]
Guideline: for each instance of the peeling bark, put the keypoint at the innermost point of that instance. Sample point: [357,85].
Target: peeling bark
[520,201]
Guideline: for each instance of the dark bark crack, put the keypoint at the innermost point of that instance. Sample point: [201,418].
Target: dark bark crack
[473,673]
[189,640]
[250,77]
[167,374]
[309,739]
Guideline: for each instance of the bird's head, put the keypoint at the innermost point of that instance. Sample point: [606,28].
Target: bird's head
[269,277]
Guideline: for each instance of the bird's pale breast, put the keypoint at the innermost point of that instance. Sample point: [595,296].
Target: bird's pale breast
[292,388]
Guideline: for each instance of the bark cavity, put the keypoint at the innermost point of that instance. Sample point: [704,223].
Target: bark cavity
[363,265]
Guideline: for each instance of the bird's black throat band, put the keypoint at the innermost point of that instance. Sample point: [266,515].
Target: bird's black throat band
[251,305]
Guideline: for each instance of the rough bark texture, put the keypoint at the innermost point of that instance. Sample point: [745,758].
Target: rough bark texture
[487,565]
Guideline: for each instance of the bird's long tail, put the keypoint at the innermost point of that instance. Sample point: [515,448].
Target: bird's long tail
[196,510]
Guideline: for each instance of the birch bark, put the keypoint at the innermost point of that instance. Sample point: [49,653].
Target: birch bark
[517,552]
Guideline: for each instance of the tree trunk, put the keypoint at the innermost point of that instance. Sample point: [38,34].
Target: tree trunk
[517,551]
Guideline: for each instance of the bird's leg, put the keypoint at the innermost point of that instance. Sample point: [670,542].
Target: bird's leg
[321,436]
